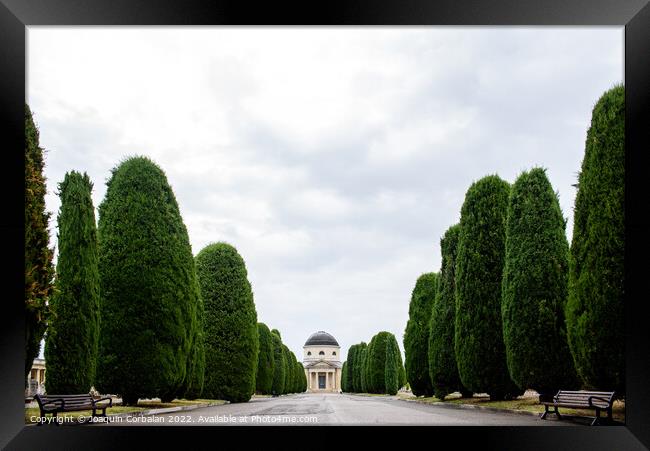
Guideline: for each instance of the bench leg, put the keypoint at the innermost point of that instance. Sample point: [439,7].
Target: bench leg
[543,417]
[557,413]
[597,418]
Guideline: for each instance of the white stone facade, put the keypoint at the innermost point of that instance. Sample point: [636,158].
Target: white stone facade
[321,360]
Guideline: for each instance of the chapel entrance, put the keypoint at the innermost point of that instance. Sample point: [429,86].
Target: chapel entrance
[321,381]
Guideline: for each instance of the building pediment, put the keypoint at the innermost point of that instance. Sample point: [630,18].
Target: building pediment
[322,364]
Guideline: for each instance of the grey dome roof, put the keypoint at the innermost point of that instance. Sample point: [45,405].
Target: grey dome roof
[321,338]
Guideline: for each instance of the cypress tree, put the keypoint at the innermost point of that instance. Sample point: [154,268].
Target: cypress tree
[279,364]
[402,371]
[416,335]
[231,337]
[196,362]
[39,270]
[594,310]
[376,362]
[479,347]
[73,330]
[289,369]
[352,368]
[391,371]
[443,369]
[344,377]
[300,374]
[361,363]
[148,285]
[358,367]
[265,362]
[535,287]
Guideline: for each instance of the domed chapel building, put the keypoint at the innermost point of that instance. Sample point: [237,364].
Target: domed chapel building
[322,363]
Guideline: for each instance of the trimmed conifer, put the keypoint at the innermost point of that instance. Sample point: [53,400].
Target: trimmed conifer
[231,337]
[73,330]
[265,361]
[148,286]
[344,377]
[362,368]
[416,335]
[352,368]
[479,347]
[358,367]
[594,310]
[39,271]
[376,363]
[392,366]
[535,287]
[289,370]
[443,369]
[279,364]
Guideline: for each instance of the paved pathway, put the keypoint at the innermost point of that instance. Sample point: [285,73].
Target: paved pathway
[342,409]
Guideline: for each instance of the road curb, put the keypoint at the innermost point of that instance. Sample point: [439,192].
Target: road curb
[474,407]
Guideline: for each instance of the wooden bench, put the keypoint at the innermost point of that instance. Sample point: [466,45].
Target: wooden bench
[53,404]
[598,400]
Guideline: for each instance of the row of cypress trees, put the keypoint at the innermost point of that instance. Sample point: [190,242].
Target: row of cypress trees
[375,367]
[514,307]
[135,314]
[287,374]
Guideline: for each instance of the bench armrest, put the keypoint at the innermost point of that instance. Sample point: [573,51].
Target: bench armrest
[110,401]
[600,398]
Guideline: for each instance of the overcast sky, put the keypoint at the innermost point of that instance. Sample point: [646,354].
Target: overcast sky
[332,158]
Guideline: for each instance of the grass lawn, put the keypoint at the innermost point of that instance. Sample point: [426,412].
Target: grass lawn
[530,404]
[32,413]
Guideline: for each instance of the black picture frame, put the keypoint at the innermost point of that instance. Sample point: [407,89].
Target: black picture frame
[15,15]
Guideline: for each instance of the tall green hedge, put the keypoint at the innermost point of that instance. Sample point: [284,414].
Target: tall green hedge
[362,369]
[73,331]
[392,366]
[289,369]
[344,378]
[535,287]
[594,311]
[148,286]
[443,369]
[416,335]
[231,337]
[193,388]
[265,361]
[376,362]
[353,369]
[358,367]
[479,347]
[39,271]
[279,364]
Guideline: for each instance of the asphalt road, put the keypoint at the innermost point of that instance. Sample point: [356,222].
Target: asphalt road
[341,409]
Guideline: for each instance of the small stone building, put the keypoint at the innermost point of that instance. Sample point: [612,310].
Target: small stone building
[36,378]
[322,363]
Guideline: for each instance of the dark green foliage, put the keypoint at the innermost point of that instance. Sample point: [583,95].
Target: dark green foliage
[442,358]
[362,368]
[39,270]
[279,364]
[416,335]
[392,366]
[265,361]
[289,369]
[231,337]
[352,368]
[376,363]
[148,285]
[535,287]
[479,348]
[73,329]
[401,377]
[344,378]
[299,373]
[196,362]
[358,367]
[594,311]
